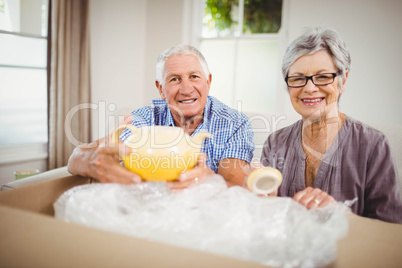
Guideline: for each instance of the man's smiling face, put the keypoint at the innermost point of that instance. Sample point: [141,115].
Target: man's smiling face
[185,87]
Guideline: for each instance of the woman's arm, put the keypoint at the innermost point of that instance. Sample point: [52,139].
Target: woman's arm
[382,198]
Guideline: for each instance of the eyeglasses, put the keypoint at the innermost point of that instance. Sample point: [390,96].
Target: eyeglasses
[317,79]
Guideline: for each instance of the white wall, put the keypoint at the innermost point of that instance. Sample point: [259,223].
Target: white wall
[164,29]
[118,34]
[126,38]
[128,35]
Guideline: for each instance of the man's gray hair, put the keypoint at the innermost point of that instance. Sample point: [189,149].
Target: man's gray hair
[179,50]
[313,40]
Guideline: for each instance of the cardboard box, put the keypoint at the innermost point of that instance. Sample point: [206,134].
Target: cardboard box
[31,237]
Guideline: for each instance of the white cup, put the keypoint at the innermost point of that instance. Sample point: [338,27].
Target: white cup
[264,180]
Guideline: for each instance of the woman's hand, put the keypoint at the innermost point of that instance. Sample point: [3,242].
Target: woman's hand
[187,178]
[313,198]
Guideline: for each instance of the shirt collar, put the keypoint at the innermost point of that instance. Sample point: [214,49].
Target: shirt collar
[202,126]
[169,118]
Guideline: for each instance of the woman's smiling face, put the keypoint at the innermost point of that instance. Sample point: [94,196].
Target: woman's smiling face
[311,100]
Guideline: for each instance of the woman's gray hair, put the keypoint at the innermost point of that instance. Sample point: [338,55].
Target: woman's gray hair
[313,40]
[179,50]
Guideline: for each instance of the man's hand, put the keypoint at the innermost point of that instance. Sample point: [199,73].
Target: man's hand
[189,177]
[100,160]
[104,166]
[101,163]
[313,197]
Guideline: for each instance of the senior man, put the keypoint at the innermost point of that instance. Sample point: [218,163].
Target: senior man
[183,81]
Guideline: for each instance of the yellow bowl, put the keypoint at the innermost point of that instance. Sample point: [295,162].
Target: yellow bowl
[161,153]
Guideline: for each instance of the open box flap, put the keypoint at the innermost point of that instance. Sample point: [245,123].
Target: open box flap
[40,197]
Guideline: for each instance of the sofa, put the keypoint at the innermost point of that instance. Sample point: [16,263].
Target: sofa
[263,125]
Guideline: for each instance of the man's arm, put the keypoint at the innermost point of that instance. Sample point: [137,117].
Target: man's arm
[238,152]
[231,169]
[100,162]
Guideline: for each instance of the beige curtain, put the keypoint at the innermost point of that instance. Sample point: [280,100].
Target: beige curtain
[69,90]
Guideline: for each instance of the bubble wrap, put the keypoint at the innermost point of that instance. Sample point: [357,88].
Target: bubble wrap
[209,216]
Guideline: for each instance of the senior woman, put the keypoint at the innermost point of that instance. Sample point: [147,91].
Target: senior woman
[328,156]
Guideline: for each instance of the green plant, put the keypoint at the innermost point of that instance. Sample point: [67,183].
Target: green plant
[260,16]
[221,17]
[2,8]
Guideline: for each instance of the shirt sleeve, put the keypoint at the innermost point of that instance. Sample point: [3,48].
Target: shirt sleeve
[382,194]
[139,118]
[240,145]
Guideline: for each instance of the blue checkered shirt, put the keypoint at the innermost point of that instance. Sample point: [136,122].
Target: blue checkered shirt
[232,136]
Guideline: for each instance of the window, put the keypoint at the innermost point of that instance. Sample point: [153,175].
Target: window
[23,72]
[239,39]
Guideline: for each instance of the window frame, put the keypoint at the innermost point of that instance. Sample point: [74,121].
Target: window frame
[20,153]
[198,11]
